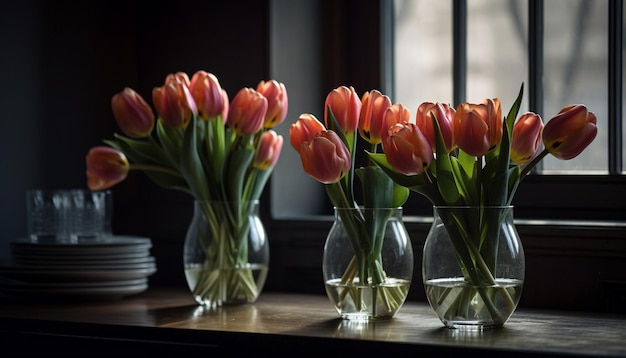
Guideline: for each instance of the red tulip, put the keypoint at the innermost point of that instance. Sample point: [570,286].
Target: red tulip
[371,124]
[133,115]
[445,118]
[325,157]
[277,102]
[568,133]
[268,150]
[106,167]
[208,95]
[407,149]
[478,127]
[346,106]
[174,102]
[304,129]
[526,138]
[247,112]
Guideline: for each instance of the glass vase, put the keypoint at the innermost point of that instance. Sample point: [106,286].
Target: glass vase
[226,253]
[367,263]
[473,266]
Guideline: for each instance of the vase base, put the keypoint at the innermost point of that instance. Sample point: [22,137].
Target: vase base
[367,302]
[216,288]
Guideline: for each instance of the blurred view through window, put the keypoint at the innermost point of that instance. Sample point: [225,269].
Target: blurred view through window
[575,61]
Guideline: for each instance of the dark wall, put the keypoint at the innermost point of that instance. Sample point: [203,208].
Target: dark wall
[61,63]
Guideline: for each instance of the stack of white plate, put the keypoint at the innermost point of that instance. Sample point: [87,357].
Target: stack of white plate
[112,267]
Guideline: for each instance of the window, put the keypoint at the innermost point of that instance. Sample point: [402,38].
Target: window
[453,51]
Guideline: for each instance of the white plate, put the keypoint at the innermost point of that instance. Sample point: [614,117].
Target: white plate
[31,274]
[12,283]
[92,263]
[110,245]
[99,292]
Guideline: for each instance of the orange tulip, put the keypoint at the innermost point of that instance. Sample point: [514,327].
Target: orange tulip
[304,129]
[174,102]
[526,138]
[325,157]
[268,150]
[247,111]
[407,149]
[106,167]
[277,102]
[133,115]
[346,106]
[478,127]
[371,124]
[568,133]
[445,118]
[208,94]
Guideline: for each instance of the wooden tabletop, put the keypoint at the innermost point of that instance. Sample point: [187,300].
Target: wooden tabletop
[160,320]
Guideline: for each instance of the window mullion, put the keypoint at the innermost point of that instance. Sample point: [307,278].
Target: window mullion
[459,53]
[535,60]
[615,13]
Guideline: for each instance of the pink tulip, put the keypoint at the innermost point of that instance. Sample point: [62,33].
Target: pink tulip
[133,115]
[478,127]
[268,150]
[407,149]
[277,102]
[106,167]
[346,106]
[445,118]
[174,102]
[526,138]
[371,124]
[568,133]
[247,112]
[325,157]
[208,95]
[304,129]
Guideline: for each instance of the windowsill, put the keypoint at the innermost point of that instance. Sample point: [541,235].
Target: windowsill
[166,320]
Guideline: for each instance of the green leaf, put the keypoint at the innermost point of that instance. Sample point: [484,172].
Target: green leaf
[236,166]
[191,163]
[404,180]
[465,185]
[171,139]
[445,176]
[377,187]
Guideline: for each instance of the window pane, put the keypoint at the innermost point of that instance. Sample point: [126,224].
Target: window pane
[497,56]
[576,50]
[423,52]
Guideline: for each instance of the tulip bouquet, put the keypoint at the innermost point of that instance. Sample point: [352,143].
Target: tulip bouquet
[328,152]
[472,156]
[203,145]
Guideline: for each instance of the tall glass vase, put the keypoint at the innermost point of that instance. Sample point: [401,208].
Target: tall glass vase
[226,253]
[473,266]
[367,263]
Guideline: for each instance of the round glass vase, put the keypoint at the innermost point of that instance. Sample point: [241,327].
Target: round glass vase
[367,263]
[226,253]
[473,266]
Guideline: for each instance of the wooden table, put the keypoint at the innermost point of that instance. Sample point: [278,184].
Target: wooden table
[168,321]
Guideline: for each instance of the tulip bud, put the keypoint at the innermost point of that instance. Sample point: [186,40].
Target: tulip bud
[208,95]
[304,129]
[526,138]
[371,124]
[174,102]
[394,114]
[346,106]
[277,102]
[247,111]
[133,115]
[268,150]
[325,157]
[407,149]
[106,167]
[568,133]
[444,115]
[478,127]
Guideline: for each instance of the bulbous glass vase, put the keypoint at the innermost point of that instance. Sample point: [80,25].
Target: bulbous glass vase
[226,253]
[473,266]
[367,263]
